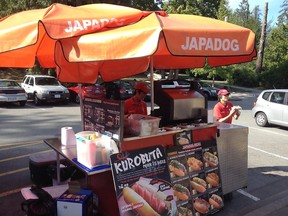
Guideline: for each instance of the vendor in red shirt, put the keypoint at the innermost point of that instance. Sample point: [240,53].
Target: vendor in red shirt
[224,111]
[136,104]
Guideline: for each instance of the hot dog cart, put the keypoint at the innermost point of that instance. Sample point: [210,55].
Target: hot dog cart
[181,111]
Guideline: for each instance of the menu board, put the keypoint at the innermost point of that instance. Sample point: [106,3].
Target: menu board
[142,182]
[103,115]
[195,176]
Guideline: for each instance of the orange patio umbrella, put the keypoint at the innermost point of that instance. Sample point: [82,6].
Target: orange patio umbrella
[116,41]
[32,34]
[162,41]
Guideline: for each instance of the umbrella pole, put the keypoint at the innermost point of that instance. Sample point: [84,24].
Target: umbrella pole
[152,85]
[81,104]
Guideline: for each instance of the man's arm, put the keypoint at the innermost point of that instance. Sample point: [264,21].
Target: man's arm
[223,119]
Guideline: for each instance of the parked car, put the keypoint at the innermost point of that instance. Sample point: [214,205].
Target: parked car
[175,84]
[11,92]
[209,91]
[43,88]
[118,90]
[271,107]
[87,90]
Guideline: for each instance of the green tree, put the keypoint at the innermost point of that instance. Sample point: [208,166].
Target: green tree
[224,11]
[181,7]
[283,16]
[206,8]
[276,55]
[275,72]
[244,17]
[12,6]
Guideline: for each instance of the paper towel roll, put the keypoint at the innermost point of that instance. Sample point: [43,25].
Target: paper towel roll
[68,136]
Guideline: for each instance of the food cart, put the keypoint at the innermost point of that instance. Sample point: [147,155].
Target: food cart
[107,116]
[126,42]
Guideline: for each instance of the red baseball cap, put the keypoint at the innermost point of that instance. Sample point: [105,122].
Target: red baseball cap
[142,86]
[223,92]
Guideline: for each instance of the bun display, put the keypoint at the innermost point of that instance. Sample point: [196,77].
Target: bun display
[181,192]
[201,206]
[198,184]
[177,168]
[213,179]
[131,197]
[210,159]
[216,201]
[194,164]
[182,211]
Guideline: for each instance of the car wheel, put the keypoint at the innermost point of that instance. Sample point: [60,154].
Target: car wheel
[261,119]
[22,103]
[72,97]
[77,99]
[37,101]
[65,102]
[207,95]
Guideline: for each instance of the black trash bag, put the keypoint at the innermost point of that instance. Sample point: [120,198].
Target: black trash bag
[45,205]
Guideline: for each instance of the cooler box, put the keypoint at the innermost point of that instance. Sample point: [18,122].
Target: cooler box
[75,203]
[39,164]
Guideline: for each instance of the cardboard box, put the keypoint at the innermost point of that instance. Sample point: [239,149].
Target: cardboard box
[95,152]
[78,203]
[141,125]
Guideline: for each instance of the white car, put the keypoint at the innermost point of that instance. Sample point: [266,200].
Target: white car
[43,88]
[271,107]
[11,92]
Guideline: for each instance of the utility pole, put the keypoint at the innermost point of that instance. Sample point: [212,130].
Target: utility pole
[259,61]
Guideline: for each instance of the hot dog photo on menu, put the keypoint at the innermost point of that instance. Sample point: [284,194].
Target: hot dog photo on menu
[213,179]
[198,183]
[210,157]
[195,161]
[183,138]
[201,205]
[142,183]
[215,201]
[177,168]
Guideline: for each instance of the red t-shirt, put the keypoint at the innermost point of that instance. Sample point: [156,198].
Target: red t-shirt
[135,108]
[221,111]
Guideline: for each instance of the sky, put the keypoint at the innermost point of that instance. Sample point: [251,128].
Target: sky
[273,7]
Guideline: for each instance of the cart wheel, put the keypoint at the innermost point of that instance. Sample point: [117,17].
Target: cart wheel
[228,197]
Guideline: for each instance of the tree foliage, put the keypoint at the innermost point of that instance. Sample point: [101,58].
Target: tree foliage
[206,8]
[224,11]
[283,16]
[12,6]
